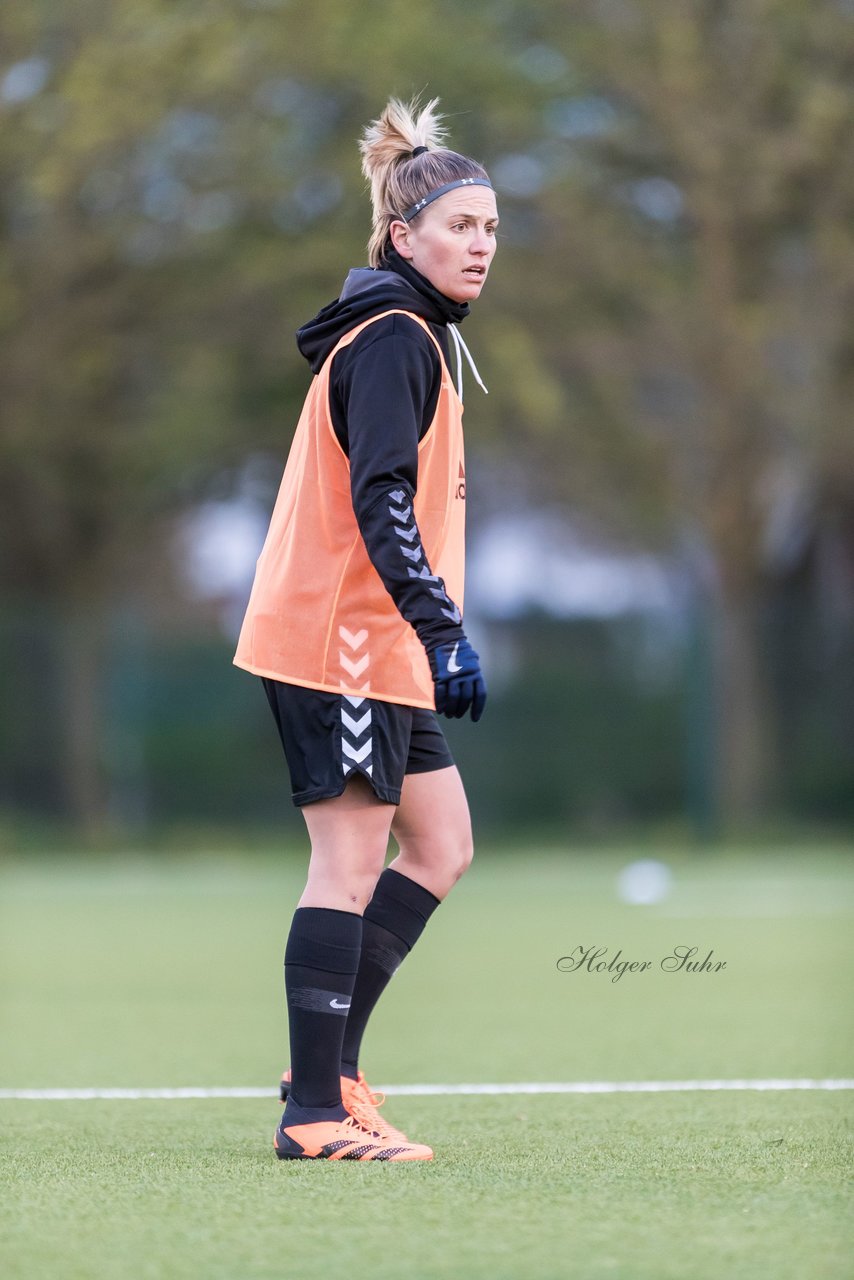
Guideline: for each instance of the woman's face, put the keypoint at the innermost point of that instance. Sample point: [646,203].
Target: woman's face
[452,242]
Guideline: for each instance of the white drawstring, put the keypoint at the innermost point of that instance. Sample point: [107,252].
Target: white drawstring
[460,343]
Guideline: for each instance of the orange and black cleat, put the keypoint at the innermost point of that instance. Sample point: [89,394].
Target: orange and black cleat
[341,1140]
[361,1102]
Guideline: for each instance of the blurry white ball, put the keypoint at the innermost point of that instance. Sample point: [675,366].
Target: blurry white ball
[644,882]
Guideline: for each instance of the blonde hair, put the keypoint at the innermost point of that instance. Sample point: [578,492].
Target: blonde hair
[398,179]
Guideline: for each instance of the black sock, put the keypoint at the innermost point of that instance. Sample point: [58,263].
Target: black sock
[321,961]
[393,922]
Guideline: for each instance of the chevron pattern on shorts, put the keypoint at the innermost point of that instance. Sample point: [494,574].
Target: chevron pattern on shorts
[400,510]
[356,720]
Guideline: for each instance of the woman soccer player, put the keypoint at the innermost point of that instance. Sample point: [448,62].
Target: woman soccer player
[354,621]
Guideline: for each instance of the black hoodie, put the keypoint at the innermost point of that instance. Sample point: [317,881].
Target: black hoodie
[383,392]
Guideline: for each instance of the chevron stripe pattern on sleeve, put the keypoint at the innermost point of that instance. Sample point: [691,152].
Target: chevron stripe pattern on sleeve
[400,510]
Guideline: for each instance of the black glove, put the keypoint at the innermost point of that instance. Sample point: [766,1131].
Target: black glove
[460,685]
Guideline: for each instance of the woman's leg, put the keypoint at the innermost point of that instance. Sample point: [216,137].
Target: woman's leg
[349,839]
[433,830]
[432,827]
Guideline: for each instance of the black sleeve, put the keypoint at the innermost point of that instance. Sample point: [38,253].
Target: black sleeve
[382,389]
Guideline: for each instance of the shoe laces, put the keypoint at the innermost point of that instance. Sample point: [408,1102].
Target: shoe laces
[363,1105]
[365,1093]
[354,1121]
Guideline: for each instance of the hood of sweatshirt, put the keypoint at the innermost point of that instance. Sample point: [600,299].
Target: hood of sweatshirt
[368,292]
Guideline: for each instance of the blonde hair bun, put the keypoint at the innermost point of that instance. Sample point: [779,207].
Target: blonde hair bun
[395,134]
[397,178]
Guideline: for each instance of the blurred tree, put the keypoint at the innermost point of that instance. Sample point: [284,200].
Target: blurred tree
[693,255]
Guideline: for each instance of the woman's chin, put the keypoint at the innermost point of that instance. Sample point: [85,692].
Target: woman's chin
[467,291]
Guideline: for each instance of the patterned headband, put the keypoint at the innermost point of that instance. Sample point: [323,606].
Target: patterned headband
[415,209]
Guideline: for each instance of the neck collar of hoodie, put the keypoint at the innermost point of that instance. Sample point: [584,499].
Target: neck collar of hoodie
[453,312]
[367,292]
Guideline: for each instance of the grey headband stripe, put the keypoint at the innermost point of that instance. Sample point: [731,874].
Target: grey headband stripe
[440,191]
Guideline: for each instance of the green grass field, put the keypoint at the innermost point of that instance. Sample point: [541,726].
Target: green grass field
[158,972]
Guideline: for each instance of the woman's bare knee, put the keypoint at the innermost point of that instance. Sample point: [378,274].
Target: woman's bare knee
[349,841]
[433,830]
[437,863]
[341,888]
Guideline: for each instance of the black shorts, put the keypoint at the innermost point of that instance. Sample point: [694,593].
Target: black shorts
[328,737]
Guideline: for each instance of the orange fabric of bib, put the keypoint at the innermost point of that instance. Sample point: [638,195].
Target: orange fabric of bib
[319,615]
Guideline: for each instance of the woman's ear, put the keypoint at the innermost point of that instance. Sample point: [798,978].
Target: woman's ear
[399,236]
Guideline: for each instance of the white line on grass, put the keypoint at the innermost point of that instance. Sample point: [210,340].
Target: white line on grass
[430,1090]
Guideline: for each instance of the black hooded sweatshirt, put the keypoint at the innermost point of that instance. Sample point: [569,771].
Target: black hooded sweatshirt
[383,392]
